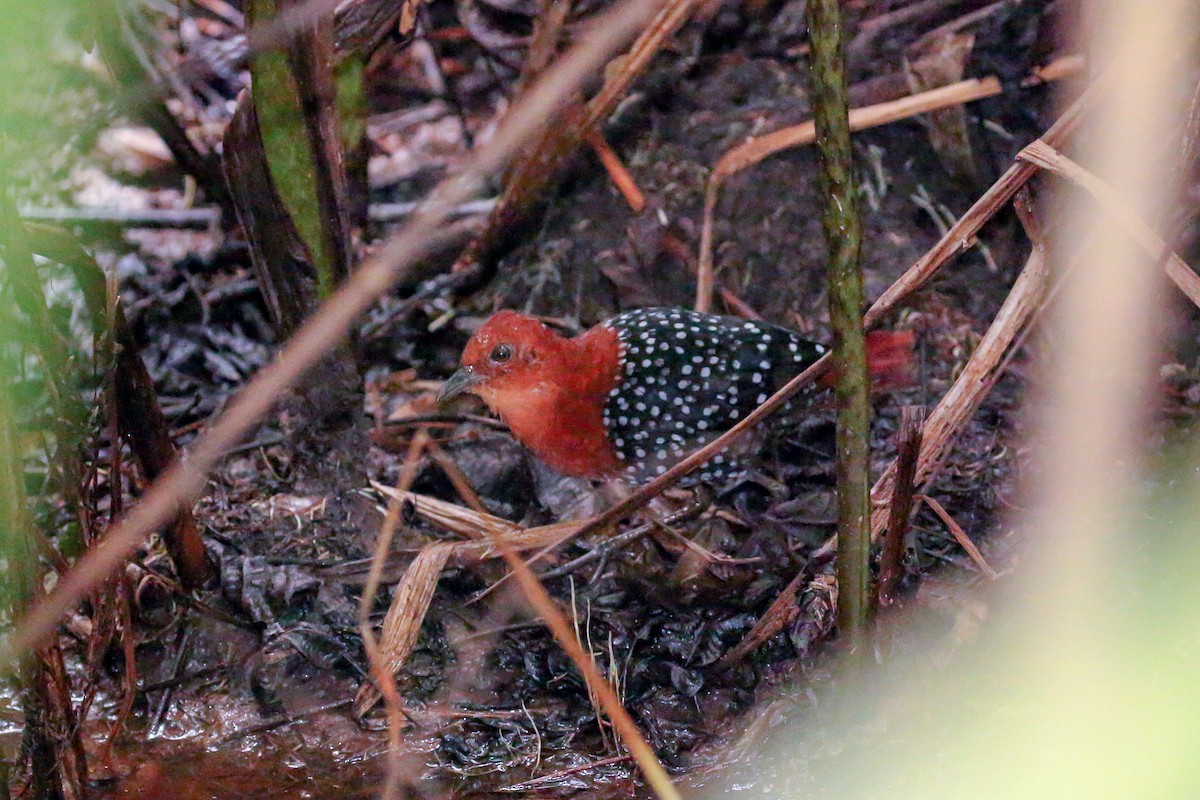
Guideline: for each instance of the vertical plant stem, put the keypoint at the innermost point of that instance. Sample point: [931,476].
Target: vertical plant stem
[908,450]
[287,144]
[843,231]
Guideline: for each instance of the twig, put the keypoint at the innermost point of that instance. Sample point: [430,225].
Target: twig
[382,658]
[541,162]
[891,560]
[622,723]
[209,217]
[183,653]
[959,535]
[286,719]
[620,540]
[544,782]
[977,377]
[616,170]
[457,479]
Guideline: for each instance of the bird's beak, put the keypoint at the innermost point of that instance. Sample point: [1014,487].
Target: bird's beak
[459,383]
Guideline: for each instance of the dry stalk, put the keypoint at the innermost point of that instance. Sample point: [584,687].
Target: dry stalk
[977,377]
[414,592]
[758,148]
[402,625]
[381,658]
[891,559]
[959,535]
[458,480]
[561,135]
[617,172]
[622,723]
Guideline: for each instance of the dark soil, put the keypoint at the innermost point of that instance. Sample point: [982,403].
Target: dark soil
[262,667]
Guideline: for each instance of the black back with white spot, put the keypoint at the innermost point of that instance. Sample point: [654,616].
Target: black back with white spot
[686,378]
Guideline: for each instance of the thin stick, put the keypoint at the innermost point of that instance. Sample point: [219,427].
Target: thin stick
[959,535]
[622,723]
[617,172]
[381,670]
[457,479]
[891,560]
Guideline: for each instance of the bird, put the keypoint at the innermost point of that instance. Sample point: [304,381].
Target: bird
[636,393]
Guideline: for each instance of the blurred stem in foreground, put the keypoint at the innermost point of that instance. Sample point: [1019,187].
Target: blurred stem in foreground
[295,94]
[286,165]
[843,230]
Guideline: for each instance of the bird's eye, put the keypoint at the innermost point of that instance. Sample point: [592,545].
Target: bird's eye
[501,353]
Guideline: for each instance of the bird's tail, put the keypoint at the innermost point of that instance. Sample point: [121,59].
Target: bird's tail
[890,360]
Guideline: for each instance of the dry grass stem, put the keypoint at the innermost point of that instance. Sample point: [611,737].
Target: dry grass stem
[379,657]
[973,383]
[506,539]
[617,172]
[402,625]
[457,479]
[562,134]
[908,448]
[959,535]
[564,634]
[414,592]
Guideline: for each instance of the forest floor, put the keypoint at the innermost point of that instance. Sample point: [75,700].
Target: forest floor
[246,686]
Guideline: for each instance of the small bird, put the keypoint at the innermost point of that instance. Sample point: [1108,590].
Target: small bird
[638,392]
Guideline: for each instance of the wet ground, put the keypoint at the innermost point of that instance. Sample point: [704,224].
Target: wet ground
[247,687]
